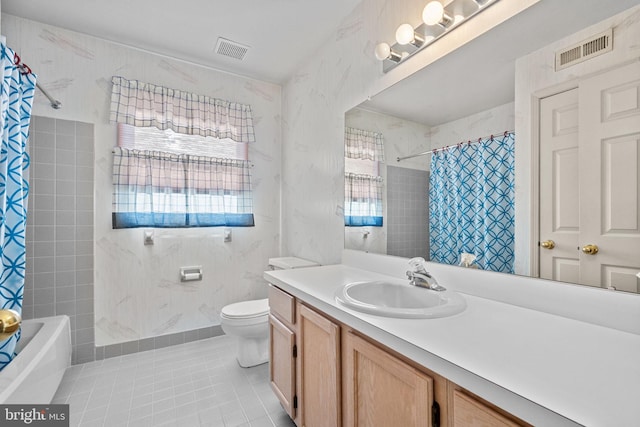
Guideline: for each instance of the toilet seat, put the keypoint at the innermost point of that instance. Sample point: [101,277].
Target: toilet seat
[246,309]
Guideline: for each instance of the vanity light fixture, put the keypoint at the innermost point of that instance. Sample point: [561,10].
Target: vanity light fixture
[437,21]
[434,13]
[383,51]
[405,34]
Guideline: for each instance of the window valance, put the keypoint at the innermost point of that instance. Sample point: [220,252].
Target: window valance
[364,144]
[363,200]
[144,105]
[157,189]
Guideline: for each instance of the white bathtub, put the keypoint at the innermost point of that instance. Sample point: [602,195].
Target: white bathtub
[44,353]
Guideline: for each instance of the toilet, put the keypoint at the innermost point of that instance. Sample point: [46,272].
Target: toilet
[248,321]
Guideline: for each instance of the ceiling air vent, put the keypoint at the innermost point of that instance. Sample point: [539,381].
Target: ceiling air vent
[231,49]
[586,49]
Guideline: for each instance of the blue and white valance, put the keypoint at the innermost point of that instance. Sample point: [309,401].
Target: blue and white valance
[471,203]
[143,104]
[363,144]
[363,200]
[158,189]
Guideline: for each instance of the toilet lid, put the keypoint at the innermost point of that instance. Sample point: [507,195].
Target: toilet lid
[247,309]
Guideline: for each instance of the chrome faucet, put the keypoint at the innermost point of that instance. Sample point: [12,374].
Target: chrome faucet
[419,276]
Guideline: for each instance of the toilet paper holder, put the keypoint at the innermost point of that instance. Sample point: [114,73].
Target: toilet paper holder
[188,274]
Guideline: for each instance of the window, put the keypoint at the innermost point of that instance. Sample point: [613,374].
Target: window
[167,178]
[363,185]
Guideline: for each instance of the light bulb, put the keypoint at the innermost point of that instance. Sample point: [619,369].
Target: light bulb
[383,50]
[433,13]
[405,34]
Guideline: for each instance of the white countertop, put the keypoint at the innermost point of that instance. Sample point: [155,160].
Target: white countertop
[543,368]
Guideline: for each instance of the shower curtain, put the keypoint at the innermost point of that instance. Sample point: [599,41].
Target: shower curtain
[471,203]
[16,98]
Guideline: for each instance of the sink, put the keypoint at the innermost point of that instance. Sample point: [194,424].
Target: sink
[399,299]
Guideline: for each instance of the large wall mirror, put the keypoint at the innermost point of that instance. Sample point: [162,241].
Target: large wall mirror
[470,94]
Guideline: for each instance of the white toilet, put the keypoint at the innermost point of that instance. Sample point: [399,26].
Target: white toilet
[249,320]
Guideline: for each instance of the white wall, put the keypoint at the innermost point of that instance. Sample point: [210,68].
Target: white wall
[137,289]
[492,121]
[341,75]
[534,73]
[401,137]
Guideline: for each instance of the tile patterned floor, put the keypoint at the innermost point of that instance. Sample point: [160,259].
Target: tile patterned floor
[193,384]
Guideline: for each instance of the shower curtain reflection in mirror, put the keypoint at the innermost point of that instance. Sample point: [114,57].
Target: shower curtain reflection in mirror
[471,203]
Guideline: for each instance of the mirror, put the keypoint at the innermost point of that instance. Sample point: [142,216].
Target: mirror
[468,94]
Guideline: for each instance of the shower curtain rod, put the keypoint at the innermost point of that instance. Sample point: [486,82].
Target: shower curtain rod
[446,147]
[25,69]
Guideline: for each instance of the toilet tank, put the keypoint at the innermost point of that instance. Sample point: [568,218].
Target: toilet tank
[287,263]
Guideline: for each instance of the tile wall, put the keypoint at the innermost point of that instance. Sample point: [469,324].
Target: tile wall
[407,212]
[59,277]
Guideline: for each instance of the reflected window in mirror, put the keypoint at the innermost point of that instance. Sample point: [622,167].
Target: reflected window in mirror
[364,153]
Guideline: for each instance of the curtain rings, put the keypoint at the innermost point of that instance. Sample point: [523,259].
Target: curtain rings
[24,68]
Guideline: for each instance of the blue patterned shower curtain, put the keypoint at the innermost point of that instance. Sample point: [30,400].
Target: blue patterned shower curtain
[471,203]
[16,98]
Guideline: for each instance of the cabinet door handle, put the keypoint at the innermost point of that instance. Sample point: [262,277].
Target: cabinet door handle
[435,414]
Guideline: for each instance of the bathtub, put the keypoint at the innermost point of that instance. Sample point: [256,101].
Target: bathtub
[44,353]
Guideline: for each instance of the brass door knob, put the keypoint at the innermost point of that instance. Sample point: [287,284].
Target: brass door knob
[9,323]
[548,244]
[590,249]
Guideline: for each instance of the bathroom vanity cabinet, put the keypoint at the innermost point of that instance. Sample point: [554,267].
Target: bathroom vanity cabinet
[304,354]
[325,373]
[382,390]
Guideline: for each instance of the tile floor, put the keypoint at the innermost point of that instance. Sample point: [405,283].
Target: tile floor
[194,384]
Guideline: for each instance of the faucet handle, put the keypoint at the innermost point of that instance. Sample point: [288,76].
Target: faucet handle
[417,264]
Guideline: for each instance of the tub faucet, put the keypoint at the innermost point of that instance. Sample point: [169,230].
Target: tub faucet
[419,276]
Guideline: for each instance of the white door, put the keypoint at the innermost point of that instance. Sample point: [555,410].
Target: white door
[609,180]
[590,182]
[559,189]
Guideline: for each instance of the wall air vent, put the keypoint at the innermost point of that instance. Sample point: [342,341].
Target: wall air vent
[586,49]
[231,49]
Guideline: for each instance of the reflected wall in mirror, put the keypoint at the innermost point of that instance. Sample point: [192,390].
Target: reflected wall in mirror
[404,203]
[452,101]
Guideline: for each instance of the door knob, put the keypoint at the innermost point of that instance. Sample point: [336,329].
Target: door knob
[548,244]
[590,249]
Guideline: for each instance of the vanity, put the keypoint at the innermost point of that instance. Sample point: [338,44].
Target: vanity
[497,363]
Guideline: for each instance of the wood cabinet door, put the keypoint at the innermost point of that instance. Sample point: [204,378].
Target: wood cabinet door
[381,390]
[318,370]
[469,412]
[282,367]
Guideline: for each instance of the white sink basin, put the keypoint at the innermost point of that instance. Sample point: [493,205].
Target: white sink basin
[399,299]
